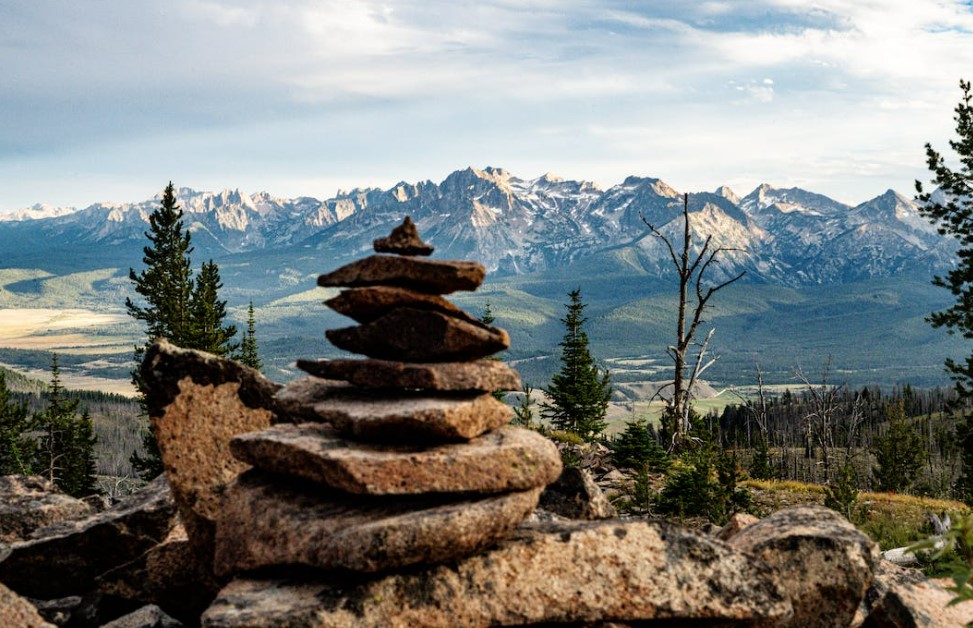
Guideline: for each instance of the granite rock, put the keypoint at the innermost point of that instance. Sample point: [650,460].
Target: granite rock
[825,563]
[16,611]
[270,521]
[504,460]
[28,503]
[476,376]
[579,574]
[65,558]
[197,402]
[904,598]
[433,276]
[369,304]
[146,617]
[738,521]
[576,496]
[365,415]
[404,240]
[412,335]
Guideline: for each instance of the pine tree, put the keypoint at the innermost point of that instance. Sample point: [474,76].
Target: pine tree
[17,449]
[524,411]
[488,319]
[579,393]
[249,354]
[637,448]
[964,437]
[898,452]
[207,314]
[81,468]
[952,213]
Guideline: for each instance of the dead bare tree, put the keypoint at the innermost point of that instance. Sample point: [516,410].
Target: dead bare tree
[691,270]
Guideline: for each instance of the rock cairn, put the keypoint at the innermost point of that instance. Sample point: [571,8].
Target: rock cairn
[401,458]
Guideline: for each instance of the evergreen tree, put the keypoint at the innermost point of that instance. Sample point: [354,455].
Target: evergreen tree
[248,344]
[207,314]
[524,411]
[81,468]
[17,448]
[964,436]
[952,213]
[488,319]
[637,448]
[898,452]
[579,393]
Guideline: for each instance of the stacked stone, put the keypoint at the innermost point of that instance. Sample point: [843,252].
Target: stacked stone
[403,457]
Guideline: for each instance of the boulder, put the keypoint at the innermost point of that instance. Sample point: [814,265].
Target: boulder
[504,460]
[145,617]
[404,240]
[367,415]
[30,502]
[270,521]
[16,611]
[412,335]
[433,276]
[476,376]
[904,598]
[169,576]
[65,558]
[825,563]
[368,304]
[576,496]
[579,573]
[738,521]
[197,402]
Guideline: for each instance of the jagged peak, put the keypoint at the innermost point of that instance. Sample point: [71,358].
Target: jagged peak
[728,194]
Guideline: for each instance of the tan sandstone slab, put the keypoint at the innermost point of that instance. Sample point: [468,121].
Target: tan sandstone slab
[197,403]
[412,335]
[577,573]
[479,375]
[825,563]
[368,304]
[404,240]
[424,275]
[270,521]
[504,460]
[363,414]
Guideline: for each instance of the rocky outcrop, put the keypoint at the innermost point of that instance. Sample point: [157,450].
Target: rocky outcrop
[197,402]
[16,611]
[824,563]
[575,495]
[28,503]
[903,598]
[145,617]
[65,558]
[577,572]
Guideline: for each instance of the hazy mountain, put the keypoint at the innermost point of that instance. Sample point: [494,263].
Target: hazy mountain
[514,226]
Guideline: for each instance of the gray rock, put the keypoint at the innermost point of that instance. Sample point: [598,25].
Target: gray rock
[504,460]
[17,612]
[197,403]
[904,598]
[145,617]
[476,376]
[412,335]
[404,240]
[433,276]
[269,522]
[369,304]
[825,563]
[28,503]
[365,415]
[579,573]
[66,557]
[576,496]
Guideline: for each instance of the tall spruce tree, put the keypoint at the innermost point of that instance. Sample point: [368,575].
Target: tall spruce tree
[249,353]
[17,448]
[950,208]
[898,452]
[208,313]
[579,392]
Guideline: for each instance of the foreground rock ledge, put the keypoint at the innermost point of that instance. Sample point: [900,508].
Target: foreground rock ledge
[507,459]
[576,572]
[271,521]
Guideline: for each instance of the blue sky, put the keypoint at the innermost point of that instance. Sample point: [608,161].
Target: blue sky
[107,100]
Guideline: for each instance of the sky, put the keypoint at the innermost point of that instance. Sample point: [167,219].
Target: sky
[109,100]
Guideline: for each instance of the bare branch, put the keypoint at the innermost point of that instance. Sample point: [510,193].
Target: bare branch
[658,234]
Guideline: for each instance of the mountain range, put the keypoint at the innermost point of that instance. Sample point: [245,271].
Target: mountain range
[779,236]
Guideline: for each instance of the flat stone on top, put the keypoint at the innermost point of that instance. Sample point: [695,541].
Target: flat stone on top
[404,240]
[368,304]
[506,459]
[480,375]
[424,275]
[412,335]
[369,416]
[268,522]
